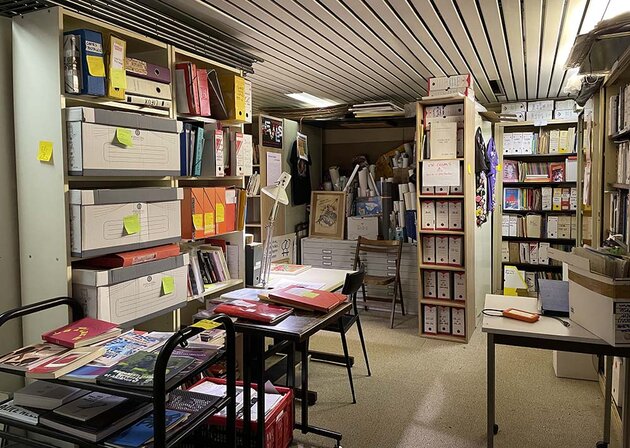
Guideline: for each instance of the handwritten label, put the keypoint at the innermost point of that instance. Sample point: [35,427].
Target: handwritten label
[168,284]
[441,173]
[132,224]
[45,151]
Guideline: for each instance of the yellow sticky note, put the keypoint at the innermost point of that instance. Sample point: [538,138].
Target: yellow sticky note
[118,78]
[469,169]
[44,154]
[208,221]
[124,137]
[168,284]
[220,213]
[96,66]
[198,221]
[310,295]
[510,292]
[206,324]
[499,168]
[132,224]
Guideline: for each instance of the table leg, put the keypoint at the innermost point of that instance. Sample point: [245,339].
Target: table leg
[247,392]
[625,416]
[259,348]
[608,399]
[304,405]
[490,390]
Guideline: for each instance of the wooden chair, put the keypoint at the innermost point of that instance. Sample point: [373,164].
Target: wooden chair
[351,286]
[389,248]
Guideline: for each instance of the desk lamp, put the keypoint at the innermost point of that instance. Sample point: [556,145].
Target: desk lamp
[278,193]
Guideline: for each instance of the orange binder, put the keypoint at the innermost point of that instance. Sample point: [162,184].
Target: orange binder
[192,213]
[209,219]
[230,209]
[219,210]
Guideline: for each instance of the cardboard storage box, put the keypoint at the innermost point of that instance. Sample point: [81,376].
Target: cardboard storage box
[99,226]
[566,104]
[546,105]
[510,108]
[129,294]
[539,115]
[578,366]
[365,226]
[565,114]
[450,83]
[102,144]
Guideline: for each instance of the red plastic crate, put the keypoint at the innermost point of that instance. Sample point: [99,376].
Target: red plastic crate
[278,424]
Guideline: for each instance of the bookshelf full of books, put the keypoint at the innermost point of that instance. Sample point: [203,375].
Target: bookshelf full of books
[446,200]
[537,198]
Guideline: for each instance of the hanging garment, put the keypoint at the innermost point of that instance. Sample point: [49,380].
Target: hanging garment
[481,170]
[493,158]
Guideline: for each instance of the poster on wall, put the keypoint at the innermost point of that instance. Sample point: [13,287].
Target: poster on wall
[283,248]
[328,214]
[271,132]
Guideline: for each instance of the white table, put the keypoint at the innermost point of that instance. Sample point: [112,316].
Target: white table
[332,279]
[547,334]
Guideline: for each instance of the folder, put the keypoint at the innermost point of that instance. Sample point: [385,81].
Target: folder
[543,253]
[443,140]
[573,227]
[213,160]
[209,222]
[505,251]
[441,250]
[442,191]
[459,286]
[143,69]
[92,62]
[441,215]
[460,188]
[217,102]
[444,285]
[116,79]
[429,284]
[237,154]
[533,253]
[507,143]
[552,227]
[564,227]
[427,217]
[248,101]
[427,190]
[573,199]
[219,210]
[455,250]
[505,225]
[455,215]
[517,142]
[233,88]
[523,252]
[554,141]
[444,319]
[204,93]
[458,322]
[72,63]
[533,225]
[547,195]
[230,209]
[428,249]
[187,93]
[146,87]
[248,154]
[514,252]
[557,199]
[429,317]
[192,213]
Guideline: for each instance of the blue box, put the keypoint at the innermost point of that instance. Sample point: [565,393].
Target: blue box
[92,62]
[369,206]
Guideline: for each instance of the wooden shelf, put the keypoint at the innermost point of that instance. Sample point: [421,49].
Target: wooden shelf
[441,267]
[441,232]
[444,302]
[534,239]
[528,212]
[196,118]
[620,136]
[437,197]
[533,267]
[539,156]
[514,124]
[216,288]
[253,225]
[444,337]
[108,103]
[450,99]
[537,184]
[621,186]
[435,160]
[218,178]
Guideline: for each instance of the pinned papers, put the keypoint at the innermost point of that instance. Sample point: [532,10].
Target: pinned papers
[132,224]
[124,137]
[45,151]
[441,173]
[168,284]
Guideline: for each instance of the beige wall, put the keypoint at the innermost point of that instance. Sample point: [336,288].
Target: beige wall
[10,333]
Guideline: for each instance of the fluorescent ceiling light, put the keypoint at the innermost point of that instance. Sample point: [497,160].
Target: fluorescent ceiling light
[312,100]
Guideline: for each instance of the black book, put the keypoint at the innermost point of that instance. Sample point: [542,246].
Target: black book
[211,266]
[193,284]
[205,275]
[137,370]
[192,403]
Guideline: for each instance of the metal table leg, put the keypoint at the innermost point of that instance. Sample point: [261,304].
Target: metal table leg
[259,349]
[607,401]
[490,390]
[247,392]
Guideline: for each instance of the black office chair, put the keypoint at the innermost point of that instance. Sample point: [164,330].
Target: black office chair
[351,285]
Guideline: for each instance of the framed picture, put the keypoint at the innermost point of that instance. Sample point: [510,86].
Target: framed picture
[271,130]
[328,214]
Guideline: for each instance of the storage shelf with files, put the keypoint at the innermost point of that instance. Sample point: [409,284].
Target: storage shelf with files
[215,288]
[441,232]
[442,267]
[533,267]
[107,103]
[543,157]
[544,240]
[538,184]
[533,212]
[441,196]
[442,302]
[538,124]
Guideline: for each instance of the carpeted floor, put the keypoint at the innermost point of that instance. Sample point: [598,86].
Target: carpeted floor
[427,393]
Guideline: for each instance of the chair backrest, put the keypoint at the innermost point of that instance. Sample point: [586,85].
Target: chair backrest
[377,246]
[352,283]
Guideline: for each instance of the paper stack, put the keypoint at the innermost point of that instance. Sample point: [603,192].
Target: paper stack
[377,109]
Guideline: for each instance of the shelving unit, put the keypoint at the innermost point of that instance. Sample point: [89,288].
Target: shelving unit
[499,239]
[467,234]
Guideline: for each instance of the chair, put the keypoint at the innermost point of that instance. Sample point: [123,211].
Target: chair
[391,249]
[351,286]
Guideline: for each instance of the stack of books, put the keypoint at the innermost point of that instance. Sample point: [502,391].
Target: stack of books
[515,171]
[370,109]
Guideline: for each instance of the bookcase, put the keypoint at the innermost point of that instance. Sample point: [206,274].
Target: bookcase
[43,188]
[537,197]
[458,306]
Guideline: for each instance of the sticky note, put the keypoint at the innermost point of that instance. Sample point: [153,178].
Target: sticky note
[310,295]
[96,66]
[510,292]
[206,324]
[168,284]
[44,154]
[499,168]
[198,221]
[208,219]
[220,212]
[124,137]
[469,169]
[118,78]
[132,224]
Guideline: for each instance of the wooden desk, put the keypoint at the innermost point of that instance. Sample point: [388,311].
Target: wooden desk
[547,334]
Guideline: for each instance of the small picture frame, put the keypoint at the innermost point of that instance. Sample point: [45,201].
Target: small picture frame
[271,130]
[328,214]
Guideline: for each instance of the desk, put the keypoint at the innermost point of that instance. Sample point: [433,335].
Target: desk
[547,334]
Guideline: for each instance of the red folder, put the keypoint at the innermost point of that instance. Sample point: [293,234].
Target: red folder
[133,257]
[83,332]
[230,209]
[192,213]
[306,298]
[192,91]
[254,310]
[204,94]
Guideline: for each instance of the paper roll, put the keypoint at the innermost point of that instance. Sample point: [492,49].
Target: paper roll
[409,201]
[372,169]
[401,214]
[405,161]
[412,187]
[334,177]
[386,198]
[363,182]
[396,206]
[402,189]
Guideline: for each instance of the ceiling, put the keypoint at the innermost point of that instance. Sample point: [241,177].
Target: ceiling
[357,50]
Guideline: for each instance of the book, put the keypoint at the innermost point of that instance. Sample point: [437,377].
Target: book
[86,331]
[57,366]
[192,403]
[510,171]
[511,198]
[45,395]
[306,298]
[141,432]
[124,346]
[132,258]
[90,406]
[86,374]
[556,172]
[11,410]
[26,358]
[199,356]
[288,269]
[137,370]
[253,310]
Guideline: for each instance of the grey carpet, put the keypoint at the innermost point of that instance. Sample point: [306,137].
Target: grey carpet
[427,393]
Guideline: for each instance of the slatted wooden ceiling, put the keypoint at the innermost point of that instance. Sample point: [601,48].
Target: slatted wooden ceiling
[355,50]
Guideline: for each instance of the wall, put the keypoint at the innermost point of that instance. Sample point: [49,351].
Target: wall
[10,333]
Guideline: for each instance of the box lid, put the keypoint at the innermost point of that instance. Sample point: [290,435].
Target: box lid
[125,195]
[122,119]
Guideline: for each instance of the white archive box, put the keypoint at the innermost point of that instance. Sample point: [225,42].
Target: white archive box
[123,219]
[127,295]
[365,226]
[105,143]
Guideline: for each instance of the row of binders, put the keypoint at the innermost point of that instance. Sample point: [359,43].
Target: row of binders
[554,141]
[443,250]
[619,111]
[540,199]
[444,285]
[444,320]
[441,215]
[531,278]
[208,211]
[514,171]
[537,226]
[619,210]
[530,253]
[206,150]
[623,163]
